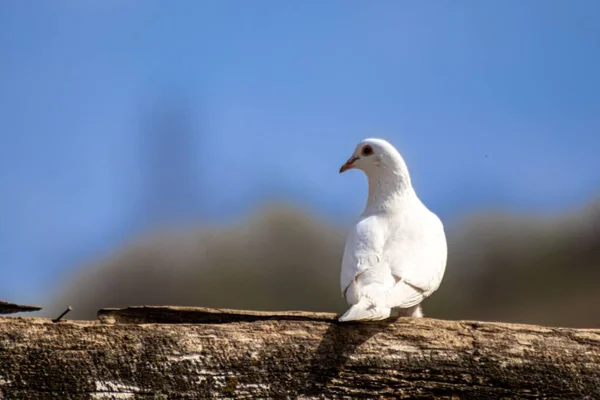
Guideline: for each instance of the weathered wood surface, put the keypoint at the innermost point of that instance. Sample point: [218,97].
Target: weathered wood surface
[11,308]
[282,355]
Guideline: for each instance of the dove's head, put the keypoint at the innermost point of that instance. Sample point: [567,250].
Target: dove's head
[389,181]
[377,158]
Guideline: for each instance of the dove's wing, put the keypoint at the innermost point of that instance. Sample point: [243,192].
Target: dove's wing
[363,249]
[417,257]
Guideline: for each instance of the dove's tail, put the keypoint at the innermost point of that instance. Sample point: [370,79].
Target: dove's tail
[365,311]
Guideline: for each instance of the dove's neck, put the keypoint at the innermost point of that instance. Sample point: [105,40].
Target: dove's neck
[389,190]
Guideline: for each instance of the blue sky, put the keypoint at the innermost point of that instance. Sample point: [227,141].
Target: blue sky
[494,104]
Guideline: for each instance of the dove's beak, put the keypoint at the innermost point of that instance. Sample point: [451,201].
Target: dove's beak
[348,164]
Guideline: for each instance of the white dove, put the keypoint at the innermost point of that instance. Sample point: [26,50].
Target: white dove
[395,256]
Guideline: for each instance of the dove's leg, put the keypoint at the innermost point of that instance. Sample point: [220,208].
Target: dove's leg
[414,312]
[418,312]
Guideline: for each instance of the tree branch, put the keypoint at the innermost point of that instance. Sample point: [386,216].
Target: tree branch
[11,308]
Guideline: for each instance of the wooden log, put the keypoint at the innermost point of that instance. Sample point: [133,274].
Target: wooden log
[187,353]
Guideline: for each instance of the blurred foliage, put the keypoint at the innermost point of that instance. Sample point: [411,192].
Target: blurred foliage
[501,267]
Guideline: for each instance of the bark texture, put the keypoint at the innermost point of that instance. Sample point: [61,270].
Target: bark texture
[187,353]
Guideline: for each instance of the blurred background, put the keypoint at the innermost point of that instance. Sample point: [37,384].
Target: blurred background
[187,153]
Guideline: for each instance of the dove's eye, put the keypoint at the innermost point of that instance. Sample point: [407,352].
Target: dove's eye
[367,150]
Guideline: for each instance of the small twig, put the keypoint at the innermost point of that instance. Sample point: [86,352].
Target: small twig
[62,315]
